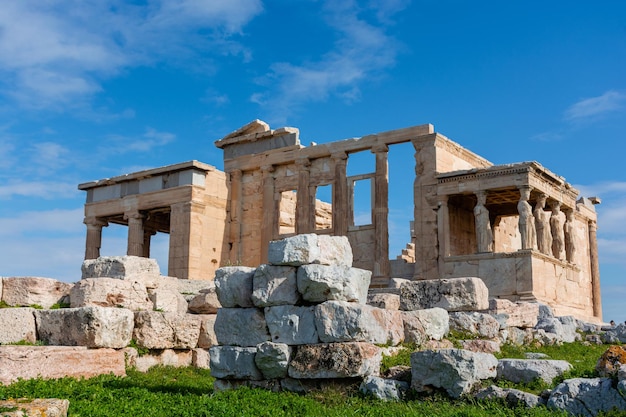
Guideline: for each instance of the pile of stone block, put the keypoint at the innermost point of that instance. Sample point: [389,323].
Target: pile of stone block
[299,321]
[119,302]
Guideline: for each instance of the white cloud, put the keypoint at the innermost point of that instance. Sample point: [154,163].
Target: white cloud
[57,221]
[150,139]
[596,106]
[55,53]
[362,51]
[40,189]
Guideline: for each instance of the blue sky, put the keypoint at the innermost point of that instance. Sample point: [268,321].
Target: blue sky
[90,90]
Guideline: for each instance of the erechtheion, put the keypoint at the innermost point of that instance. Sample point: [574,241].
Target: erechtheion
[519,227]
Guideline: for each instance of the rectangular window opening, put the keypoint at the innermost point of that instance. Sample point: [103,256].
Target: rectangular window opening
[324,207]
[361,196]
[287,213]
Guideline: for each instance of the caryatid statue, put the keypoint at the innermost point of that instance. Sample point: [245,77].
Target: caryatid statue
[526,220]
[558,232]
[542,225]
[570,238]
[484,235]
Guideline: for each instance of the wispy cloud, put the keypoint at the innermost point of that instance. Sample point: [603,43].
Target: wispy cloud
[594,107]
[55,54]
[38,189]
[363,50]
[148,141]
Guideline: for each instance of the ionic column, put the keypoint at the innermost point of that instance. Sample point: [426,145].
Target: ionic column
[135,233]
[234,224]
[94,236]
[269,210]
[443,232]
[305,207]
[595,269]
[340,195]
[381,214]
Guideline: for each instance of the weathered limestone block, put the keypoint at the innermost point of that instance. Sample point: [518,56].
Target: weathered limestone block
[455,294]
[319,283]
[37,407]
[234,362]
[335,360]
[200,358]
[423,325]
[475,323]
[207,336]
[528,370]
[563,332]
[387,301]
[94,327]
[477,345]
[233,285]
[205,303]
[340,321]
[110,292]
[272,359]
[168,300]
[274,285]
[17,324]
[384,389]
[292,325]
[161,357]
[134,268]
[58,361]
[29,291]
[310,249]
[513,397]
[520,314]
[396,283]
[190,288]
[455,370]
[161,330]
[241,327]
[586,397]
[611,361]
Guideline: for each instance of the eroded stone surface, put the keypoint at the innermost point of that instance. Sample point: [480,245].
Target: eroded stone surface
[454,294]
[421,326]
[51,362]
[234,362]
[94,327]
[31,291]
[233,285]
[38,407]
[110,292]
[241,327]
[17,324]
[161,330]
[586,396]
[335,360]
[293,325]
[528,370]
[274,285]
[319,283]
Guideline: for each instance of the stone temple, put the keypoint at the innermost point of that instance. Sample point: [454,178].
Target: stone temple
[519,227]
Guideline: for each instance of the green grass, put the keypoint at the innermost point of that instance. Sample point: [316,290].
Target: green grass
[188,392]
[167,391]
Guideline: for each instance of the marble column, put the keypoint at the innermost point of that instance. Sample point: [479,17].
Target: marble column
[135,233]
[94,237]
[443,232]
[305,206]
[147,237]
[340,195]
[235,220]
[187,253]
[595,269]
[270,211]
[381,271]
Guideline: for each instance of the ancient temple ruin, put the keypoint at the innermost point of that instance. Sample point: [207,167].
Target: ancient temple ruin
[519,227]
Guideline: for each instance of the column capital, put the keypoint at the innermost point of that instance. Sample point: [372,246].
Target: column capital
[303,162]
[134,214]
[237,173]
[267,168]
[379,147]
[339,156]
[95,221]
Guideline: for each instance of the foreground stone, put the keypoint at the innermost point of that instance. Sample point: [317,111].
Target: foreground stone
[528,370]
[455,370]
[94,327]
[272,359]
[233,285]
[513,397]
[205,303]
[611,361]
[482,325]
[50,362]
[110,292]
[234,362]
[159,330]
[420,326]
[16,325]
[335,360]
[292,325]
[520,314]
[455,294]
[241,327]
[310,249]
[319,283]
[30,291]
[340,321]
[133,268]
[274,285]
[384,389]
[38,407]
[586,397]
